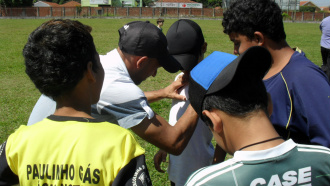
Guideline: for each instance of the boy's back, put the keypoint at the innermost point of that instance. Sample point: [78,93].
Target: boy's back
[74,151]
[291,164]
[69,147]
[198,152]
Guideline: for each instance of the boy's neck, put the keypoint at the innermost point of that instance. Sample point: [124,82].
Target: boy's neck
[71,112]
[76,103]
[250,130]
[281,54]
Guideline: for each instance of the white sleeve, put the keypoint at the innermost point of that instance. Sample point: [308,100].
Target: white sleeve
[44,107]
[122,102]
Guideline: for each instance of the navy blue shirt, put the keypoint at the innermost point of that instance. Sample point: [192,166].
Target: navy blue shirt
[301,102]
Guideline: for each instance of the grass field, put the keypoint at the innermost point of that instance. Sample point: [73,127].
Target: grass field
[18,95]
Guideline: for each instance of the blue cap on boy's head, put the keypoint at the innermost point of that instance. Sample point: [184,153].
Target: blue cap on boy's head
[218,70]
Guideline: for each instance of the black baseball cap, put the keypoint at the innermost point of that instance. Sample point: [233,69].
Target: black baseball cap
[217,71]
[142,38]
[185,39]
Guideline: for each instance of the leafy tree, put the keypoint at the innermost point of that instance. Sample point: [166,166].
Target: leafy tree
[307,9]
[16,3]
[146,2]
[210,3]
[115,3]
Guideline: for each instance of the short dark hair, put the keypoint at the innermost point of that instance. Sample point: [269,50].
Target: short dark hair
[248,16]
[56,55]
[251,96]
[160,20]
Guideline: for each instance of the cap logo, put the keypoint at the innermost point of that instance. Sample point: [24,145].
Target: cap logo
[126,27]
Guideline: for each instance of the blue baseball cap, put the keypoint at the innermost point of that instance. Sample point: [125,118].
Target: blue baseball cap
[217,71]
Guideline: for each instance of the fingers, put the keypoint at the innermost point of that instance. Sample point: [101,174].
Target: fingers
[183,79]
[159,157]
[179,97]
[174,88]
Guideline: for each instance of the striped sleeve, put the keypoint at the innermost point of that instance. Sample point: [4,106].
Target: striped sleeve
[7,177]
[134,173]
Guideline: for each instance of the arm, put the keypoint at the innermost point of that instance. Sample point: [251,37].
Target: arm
[7,177]
[310,94]
[172,139]
[219,155]
[170,91]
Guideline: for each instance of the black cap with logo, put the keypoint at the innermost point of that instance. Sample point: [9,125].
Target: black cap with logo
[142,38]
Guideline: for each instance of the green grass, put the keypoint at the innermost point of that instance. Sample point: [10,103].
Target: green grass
[18,95]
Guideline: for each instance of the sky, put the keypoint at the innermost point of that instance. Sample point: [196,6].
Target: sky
[320,3]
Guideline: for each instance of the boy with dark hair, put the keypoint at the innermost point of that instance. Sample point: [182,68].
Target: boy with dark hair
[69,147]
[160,24]
[229,95]
[299,88]
[187,46]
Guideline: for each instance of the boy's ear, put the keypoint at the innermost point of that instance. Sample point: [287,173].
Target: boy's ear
[90,72]
[204,47]
[259,38]
[141,61]
[215,119]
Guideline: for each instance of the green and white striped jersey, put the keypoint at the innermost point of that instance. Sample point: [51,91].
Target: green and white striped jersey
[284,165]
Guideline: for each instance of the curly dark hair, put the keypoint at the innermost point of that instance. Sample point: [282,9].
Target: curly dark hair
[56,55]
[248,16]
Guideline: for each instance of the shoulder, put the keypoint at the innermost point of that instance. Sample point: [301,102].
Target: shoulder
[112,62]
[300,69]
[314,155]
[315,149]
[124,136]
[203,175]
[17,134]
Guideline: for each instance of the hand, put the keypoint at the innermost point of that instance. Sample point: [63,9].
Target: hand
[172,91]
[219,155]
[159,157]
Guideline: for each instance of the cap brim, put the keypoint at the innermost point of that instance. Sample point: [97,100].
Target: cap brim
[217,71]
[170,64]
[187,61]
[256,61]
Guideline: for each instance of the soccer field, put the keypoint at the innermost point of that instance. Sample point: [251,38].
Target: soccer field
[18,94]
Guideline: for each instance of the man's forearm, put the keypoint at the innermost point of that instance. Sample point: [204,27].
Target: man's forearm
[172,139]
[171,91]
[155,95]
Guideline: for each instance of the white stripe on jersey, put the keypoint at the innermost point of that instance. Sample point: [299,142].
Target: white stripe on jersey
[206,174]
[313,150]
[313,147]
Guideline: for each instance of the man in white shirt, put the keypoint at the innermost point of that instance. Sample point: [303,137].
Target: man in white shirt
[142,49]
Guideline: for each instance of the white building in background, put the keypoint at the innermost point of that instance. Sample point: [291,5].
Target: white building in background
[45,4]
[177,4]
